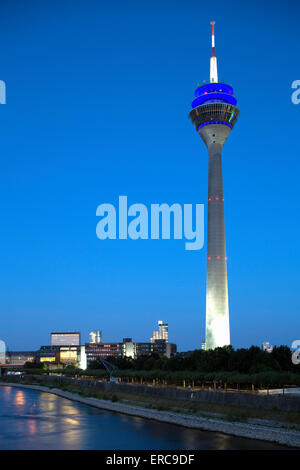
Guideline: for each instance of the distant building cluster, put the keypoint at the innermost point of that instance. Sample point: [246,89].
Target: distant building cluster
[66,349]
[162,333]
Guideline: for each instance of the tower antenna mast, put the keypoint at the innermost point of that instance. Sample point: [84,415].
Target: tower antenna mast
[213,59]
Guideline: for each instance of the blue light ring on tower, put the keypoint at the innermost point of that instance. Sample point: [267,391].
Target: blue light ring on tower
[214,92]
[217,96]
[214,87]
[213,122]
[210,112]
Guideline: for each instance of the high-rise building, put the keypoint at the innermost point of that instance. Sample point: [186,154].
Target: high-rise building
[214,115]
[95,336]
[65,339]
[161,333]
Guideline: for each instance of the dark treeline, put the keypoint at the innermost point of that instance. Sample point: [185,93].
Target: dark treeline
[226,359]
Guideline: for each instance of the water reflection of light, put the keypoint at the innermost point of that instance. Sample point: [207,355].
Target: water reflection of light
[47,402]
[206,440]
[72,431]
[70,408]
[224,442]
[138,422]
[73,439]
[32,428]
[61,417]
[7,391]
[20,398]
[71,421]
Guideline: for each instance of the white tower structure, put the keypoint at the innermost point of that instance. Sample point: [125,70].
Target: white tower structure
[214,114]
[95,336]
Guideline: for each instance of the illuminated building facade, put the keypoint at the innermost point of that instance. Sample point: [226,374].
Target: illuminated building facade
[49,354]
[128,348]
[161,333]
[95,336]
[20,357]
[60,355]
[159,346]
[65,339]
[96,350]
[214,115]
[68,354]
[49,359]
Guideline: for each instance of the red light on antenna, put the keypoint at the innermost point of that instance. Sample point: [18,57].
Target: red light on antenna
[217,198]
[209,258]
[209,198]
[218,257]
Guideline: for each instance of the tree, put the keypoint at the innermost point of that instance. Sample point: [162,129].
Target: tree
[283,356]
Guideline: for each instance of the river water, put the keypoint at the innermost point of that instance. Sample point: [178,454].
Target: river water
[36,420]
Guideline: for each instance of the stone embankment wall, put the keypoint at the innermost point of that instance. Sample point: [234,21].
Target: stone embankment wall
[279,402]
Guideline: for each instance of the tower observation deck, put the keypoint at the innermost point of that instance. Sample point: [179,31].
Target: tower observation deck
[214,114]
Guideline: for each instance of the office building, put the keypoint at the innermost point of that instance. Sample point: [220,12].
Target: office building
[65,339]
[160,347]
[96,350]
[20,357]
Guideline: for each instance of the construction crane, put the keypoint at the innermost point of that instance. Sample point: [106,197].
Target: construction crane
[110,368]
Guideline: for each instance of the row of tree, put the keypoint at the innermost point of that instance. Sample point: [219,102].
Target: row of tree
[226,359]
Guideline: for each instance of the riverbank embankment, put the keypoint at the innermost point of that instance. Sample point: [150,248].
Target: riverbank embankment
[254,429]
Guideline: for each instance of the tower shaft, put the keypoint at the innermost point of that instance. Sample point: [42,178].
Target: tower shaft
[217,311]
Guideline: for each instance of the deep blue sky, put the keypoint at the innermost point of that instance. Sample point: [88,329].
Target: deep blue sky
[98,95]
